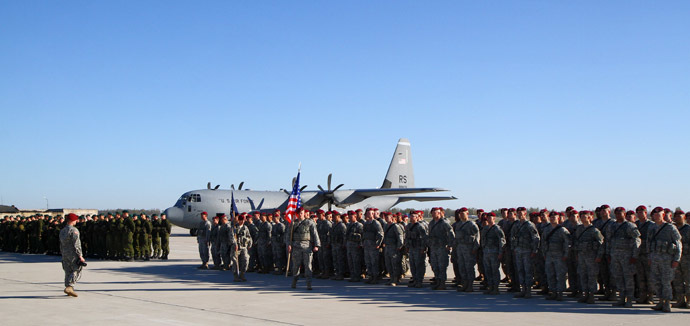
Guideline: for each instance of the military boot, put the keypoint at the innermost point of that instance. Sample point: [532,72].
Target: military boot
[551,296]
[681,303]
[70,291]
[559,296]
[242,277]
[528,294]
[584,298]
[644,298]
[620,302]
[628,302]
[309,285]
[494,291]
[590,298]
[469,286]
[520,294]
[441,286]
[667,306]
[294,283]
[659,306]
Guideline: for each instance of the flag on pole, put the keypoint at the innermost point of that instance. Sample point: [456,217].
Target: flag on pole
[233,208]
[295,201]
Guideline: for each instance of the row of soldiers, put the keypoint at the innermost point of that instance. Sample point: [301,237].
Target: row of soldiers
[105,236]
[622,259]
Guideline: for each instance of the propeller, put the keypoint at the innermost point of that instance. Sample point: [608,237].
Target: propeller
[328,194]
[208,185]
[216,188]
[232,186]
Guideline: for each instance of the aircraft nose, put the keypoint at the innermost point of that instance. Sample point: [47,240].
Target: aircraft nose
[175,215]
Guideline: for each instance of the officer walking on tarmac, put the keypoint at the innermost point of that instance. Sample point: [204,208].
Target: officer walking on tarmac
[72,258]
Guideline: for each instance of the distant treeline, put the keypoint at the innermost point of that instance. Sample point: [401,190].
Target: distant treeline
[132,211]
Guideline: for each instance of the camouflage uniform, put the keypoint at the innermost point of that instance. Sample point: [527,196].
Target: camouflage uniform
[466,245]
[623,244]
[240,260]
[155,237]
[525,240]
[325,256]
[642,265]
[555,245]
[681,281]
[354,250]
[372,237]
[263,244]
[253,250]
[228,246]
[508,256]
[203,236]
[665,246]
[338,240]
[278,246]
[415,242]
[492,242]
[605,279]
[166,228]
[304,240]
[441,237]
[393,243]
[588,245]
[215,246]
[70,247]
[572,258]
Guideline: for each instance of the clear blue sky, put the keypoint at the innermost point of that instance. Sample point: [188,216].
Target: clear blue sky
[536,103]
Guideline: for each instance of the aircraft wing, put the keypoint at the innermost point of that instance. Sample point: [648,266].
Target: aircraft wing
[393,191]
[429,198]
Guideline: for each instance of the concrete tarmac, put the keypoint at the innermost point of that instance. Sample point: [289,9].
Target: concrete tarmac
[174,292]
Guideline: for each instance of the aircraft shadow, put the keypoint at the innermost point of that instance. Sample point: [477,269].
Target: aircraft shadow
[386,296]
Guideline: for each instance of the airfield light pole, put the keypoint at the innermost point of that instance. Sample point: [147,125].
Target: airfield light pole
[47,206]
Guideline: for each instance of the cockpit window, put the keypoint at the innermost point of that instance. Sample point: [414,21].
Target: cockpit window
[194,198]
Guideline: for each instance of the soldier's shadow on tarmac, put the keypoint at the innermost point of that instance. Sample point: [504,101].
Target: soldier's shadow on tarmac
[386,296]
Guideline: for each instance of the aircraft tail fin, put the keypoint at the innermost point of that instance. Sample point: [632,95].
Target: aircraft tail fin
[400,173]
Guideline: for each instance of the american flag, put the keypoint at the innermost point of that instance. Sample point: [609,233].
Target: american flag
[295,201]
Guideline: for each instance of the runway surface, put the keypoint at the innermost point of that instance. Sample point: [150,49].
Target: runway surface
[174,292]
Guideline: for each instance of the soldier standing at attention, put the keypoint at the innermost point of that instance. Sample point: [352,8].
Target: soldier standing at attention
[323,227]
[338,240]
[556,247]
[354,248]
[155,236]
[571,225]
[642,267]
[623,248]
[244,243]
[278,243]
[492,242]
[588,244]
[215,243]
[467,243]
[303,243]
[415,242]
[203,236]
[70,247]
[441,237]
[393,244]
[372,239]
[166,228]
[228,245]
[681,282]
[665,249]
[526,243]
[263,244]
[602,223]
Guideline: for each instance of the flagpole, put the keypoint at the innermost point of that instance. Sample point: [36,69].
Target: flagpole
[287,270]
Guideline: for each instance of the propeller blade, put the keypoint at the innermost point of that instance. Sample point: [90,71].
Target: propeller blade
[241,184]
[286,192]
[216,188]
[232,186]
[321,188]
[303,187]
[329,205]
[208,185]
[330,175]
[292,185]
[338,187]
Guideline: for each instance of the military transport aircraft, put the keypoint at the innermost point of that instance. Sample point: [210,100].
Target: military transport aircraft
[396,188]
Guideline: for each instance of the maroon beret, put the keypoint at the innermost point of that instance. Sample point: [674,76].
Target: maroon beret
[72,217]
[641,208]
[204,213]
